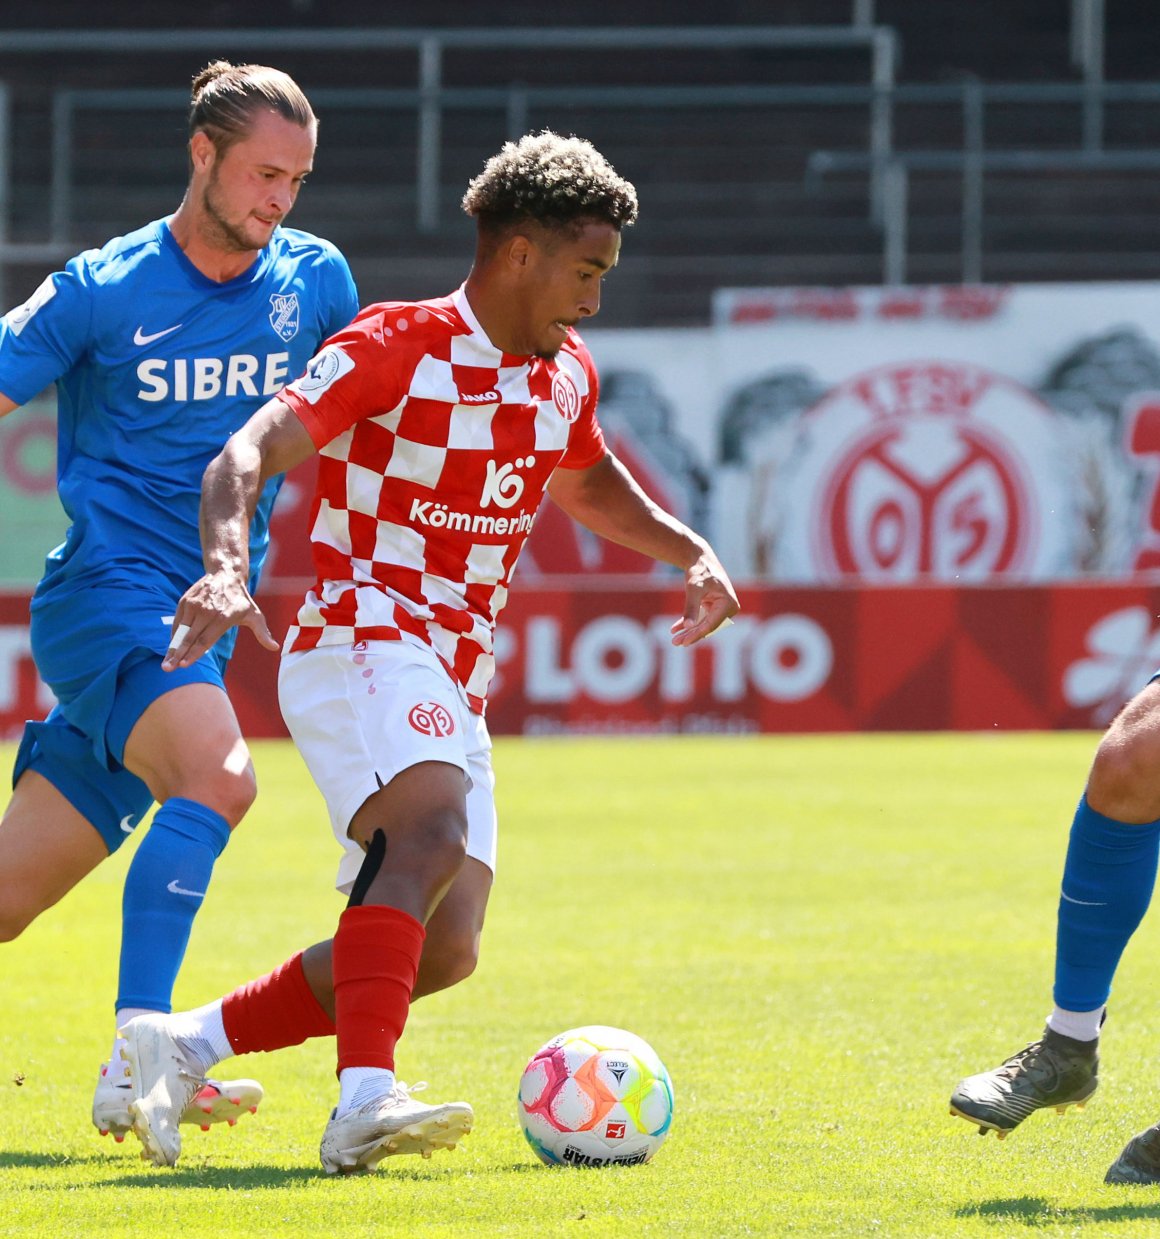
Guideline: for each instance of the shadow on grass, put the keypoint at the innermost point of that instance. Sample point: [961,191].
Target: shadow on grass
[37,1161]
[264,1178]
[234,1178]
[134,1175]
[1035,1211]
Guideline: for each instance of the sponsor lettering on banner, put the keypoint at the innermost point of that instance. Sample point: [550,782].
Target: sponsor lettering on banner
[22,693]
[586,659]
[953,302]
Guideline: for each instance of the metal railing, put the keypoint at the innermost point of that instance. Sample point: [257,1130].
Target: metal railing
[11,251]
[974,160]
[432,96]
[888,169]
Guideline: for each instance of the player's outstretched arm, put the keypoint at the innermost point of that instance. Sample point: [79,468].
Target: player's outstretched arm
[607,499]
[273,441]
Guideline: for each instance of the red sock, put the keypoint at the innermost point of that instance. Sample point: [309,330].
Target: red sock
[376,959]
[274,1011]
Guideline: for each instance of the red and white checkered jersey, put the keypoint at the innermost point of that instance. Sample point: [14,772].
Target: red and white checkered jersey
[435,449]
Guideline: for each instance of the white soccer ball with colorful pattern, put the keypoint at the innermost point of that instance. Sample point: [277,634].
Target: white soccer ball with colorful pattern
[595,1096]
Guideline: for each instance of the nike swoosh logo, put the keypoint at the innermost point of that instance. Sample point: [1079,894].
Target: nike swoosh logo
[180,890]
[1083,903]
[139,336]
[127,823]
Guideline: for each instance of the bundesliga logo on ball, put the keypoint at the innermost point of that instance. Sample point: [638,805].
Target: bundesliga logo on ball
[595,1096]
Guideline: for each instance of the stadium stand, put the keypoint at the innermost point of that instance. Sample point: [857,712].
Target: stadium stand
[753,162]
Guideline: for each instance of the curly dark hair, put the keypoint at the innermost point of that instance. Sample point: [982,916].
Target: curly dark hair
[556,182]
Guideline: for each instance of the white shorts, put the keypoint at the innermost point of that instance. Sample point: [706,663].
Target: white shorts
[360,715]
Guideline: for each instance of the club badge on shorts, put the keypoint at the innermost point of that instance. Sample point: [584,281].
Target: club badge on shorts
[429,718]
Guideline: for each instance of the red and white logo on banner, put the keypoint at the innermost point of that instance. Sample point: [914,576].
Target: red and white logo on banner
[566,395]
[1122,649]
[429,718]
[925,471]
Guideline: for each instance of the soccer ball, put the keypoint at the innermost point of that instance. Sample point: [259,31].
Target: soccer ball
[595,1096]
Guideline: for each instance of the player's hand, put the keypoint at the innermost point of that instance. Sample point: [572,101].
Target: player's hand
[710,601]
[210,607]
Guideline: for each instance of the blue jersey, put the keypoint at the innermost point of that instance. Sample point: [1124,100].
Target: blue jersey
[156,365]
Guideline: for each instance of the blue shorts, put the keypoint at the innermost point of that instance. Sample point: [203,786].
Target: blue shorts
[103,662]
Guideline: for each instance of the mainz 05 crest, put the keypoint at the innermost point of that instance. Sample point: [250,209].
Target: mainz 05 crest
[937,467]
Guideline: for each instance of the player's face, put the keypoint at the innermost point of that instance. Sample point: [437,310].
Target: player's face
[562,283]
[252,184]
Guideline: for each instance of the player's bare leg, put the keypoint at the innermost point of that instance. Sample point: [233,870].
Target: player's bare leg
[188,744]
[416,859]
[415,833]
[454,930]
[450,950]
[46,848]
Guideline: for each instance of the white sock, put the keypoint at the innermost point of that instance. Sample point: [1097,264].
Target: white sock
[117,1065]
[359,1085]
[202,1034]
[1080,1025]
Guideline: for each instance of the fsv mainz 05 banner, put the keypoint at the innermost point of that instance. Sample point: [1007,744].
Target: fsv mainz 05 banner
[945,503]
[870,435]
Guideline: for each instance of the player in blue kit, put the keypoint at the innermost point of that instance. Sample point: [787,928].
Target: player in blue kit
[161,345]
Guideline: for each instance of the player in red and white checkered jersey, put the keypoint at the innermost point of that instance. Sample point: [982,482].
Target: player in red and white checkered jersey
[436,448]
[440,426]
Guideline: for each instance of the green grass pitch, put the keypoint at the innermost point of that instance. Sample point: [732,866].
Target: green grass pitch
[819,935]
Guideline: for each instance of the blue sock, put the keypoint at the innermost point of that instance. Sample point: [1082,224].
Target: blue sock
[1108,878]
[163,892]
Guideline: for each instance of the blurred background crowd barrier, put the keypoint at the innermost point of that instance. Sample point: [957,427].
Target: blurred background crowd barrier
[885,332]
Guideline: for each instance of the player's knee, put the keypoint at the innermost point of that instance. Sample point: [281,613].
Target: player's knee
[444,841]
[1123,783]
[431,851]
[230,793]
[460,962]
[454,961]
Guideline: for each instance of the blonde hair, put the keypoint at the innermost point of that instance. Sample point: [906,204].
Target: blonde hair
[225,98]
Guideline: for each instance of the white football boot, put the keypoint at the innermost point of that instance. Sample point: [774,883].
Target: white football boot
[168,1088]
[391,1125]
[219,1101]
